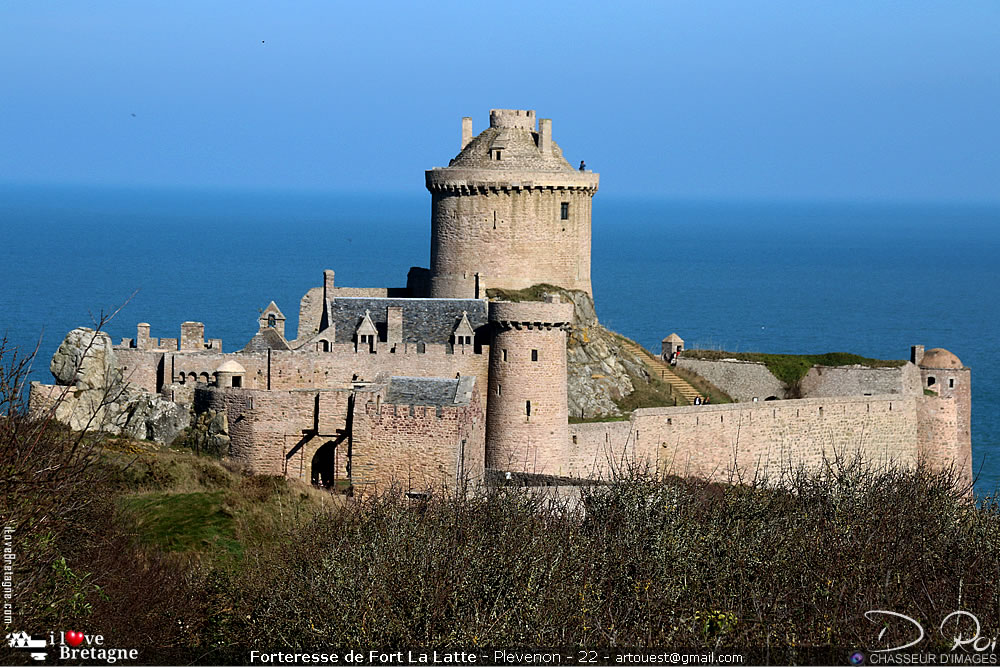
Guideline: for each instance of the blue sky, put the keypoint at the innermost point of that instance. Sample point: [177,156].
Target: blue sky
[733,100]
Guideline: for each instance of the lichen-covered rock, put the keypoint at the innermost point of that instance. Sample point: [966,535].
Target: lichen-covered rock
[208,434]
[85,360]
[92,396]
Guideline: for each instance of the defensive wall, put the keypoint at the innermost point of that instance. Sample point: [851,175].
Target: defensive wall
[712,441]
[367,439]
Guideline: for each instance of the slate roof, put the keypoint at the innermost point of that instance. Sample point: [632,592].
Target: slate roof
[266,339]
[429,391]
[424,320]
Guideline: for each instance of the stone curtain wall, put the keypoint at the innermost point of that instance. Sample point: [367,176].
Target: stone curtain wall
[299,369]
[597,449]
[530,244]
[417,448]
[140,367]
[767,438]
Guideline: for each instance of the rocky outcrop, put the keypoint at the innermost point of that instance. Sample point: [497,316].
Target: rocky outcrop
[91,395]
[600,369]
[209,434]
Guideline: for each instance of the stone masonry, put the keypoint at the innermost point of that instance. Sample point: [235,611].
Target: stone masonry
[426,387]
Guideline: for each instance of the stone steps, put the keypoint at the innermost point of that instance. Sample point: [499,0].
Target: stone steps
[662,370]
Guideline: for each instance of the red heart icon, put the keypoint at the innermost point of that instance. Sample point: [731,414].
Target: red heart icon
[74,638]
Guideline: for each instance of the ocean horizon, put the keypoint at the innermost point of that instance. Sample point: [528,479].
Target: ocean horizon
[871,278]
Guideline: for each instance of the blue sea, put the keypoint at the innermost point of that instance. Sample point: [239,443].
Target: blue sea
[804,277]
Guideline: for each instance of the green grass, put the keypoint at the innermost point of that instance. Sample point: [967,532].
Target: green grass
[180,502]
[653,394]
[533,293]
[195,521]
[791,368]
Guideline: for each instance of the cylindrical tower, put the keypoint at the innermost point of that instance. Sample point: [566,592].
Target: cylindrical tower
[509,211]
[944,412]
[526,412]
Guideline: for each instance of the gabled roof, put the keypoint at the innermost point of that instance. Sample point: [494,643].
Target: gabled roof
[266,339]
[366,327]
[272,309]
[464,328]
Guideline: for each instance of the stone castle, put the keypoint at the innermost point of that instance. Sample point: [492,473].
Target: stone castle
[435,384]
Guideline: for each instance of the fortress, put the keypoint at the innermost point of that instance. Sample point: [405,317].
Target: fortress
[435,384]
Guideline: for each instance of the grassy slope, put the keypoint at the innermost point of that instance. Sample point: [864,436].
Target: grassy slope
[200,507]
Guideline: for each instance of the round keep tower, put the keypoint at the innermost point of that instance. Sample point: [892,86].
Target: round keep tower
[526,410]
[509,211]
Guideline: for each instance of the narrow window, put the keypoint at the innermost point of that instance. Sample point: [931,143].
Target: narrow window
[534,355]
[499,389]
[505,355]
[951,383]
[271,322]
[574,439]
[564,211]
[527,408]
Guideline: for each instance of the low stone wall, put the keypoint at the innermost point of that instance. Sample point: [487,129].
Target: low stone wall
[746,380]
[742,380]
[822,381]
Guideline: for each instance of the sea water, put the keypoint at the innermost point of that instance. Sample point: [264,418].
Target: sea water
[804,277]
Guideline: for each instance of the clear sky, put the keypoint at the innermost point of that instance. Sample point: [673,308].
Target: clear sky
[833,100]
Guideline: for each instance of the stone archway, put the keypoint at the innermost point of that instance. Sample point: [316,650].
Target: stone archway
[324,466]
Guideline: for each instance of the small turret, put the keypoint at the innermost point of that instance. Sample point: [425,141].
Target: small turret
[527,411]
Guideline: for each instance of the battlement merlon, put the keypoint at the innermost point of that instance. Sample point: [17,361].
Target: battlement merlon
[471,181]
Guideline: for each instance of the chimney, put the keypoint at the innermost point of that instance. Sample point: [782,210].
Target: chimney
[394,326]
[466,131]
[545,135]
[142,336]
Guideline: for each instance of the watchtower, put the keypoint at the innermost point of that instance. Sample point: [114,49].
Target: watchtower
[945,410]
[527,412]
[509,211]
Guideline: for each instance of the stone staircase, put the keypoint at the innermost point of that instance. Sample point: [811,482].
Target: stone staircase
[659,368]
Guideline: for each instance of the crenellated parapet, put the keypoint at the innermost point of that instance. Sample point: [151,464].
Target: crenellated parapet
[531,315]
[485,181]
